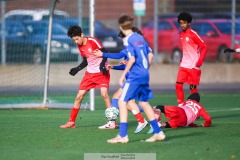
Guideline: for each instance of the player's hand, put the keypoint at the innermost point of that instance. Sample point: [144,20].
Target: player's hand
[238,50]
[193,125]
[103,68]
[207,124]
[228,50]
[97,53]
[108,67]
[124,62]
[74,71]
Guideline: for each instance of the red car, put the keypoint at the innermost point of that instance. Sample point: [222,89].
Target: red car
[168,37]
[216,33]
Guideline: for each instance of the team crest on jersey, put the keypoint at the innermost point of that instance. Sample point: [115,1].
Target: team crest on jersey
[187,39]
[89,49]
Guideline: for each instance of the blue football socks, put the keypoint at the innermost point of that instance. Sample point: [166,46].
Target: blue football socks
[115,103]
[123,129]
[155,126]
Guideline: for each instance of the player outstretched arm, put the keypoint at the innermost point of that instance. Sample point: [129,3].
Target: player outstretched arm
[206,117]
[232,50]
[75,70]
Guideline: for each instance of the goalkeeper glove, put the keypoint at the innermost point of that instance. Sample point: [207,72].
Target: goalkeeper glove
[103,69]
[75,70]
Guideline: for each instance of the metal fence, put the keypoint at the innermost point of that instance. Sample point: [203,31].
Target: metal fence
[24,33]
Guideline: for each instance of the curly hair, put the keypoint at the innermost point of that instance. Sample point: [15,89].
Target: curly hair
[74,31]
[185,16]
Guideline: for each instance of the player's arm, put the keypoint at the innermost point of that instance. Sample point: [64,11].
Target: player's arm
[82,65]
[129,65]
[102,66]
[119,67]
[232,50]
[114,55]
[202,47]
[150,58]
[206,117]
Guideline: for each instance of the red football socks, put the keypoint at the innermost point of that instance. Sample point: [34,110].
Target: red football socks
[179,93]
[73,114]
[139,117]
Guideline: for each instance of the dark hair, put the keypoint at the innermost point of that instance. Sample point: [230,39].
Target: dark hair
[121,35]
[125,22]
[195,97]
[74,31]
[185,16]
[135,29]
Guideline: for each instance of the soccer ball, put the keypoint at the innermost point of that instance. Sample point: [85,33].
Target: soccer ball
[112,113]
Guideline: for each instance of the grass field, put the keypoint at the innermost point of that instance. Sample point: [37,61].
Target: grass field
[35,134]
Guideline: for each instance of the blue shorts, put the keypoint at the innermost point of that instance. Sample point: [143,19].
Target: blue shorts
[139,92]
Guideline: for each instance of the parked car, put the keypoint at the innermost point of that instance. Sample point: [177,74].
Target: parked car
[26,42]
[34,15]
[216,33]
[168,37]
[107,36]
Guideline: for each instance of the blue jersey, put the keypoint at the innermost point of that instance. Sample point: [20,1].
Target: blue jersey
[137,46]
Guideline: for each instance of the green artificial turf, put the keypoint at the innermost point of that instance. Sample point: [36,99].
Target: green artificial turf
[35,134]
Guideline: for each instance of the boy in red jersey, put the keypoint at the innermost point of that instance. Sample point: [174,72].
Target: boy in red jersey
[184,115]
[194,51]
[96,75]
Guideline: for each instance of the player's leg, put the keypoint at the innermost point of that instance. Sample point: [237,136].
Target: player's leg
[111,124]
[115,98]
[158,133]
[195,76]
[127,94]
[75,109]
[142,123]
[182,77]
[157,111]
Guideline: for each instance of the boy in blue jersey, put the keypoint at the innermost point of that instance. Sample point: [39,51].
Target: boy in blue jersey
[136,85]
[136,109]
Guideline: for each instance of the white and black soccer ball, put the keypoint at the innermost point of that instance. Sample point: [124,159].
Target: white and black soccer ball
[112,113]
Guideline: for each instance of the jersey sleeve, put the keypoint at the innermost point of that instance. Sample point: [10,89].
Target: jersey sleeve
[95,43]
[202,48]
[206,117]
[114,55]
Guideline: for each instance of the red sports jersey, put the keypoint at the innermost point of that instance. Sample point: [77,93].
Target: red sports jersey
[193,48]
[87,49]
[193,110]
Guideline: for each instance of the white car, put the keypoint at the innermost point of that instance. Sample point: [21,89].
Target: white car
[35,15]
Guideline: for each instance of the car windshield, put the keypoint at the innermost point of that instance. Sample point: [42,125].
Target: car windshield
[225,27]
[42,28]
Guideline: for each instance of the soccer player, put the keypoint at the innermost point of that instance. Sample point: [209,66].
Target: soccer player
[96,75]
[184,115]
[136,109]
[194,51]
[136,85]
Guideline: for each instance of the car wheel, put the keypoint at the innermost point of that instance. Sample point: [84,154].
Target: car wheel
[176,56]
[221,56]
[37,56]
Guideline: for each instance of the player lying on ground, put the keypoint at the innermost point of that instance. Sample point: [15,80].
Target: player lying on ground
[96,75]
[132,106]
[232,50]
[184,115]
